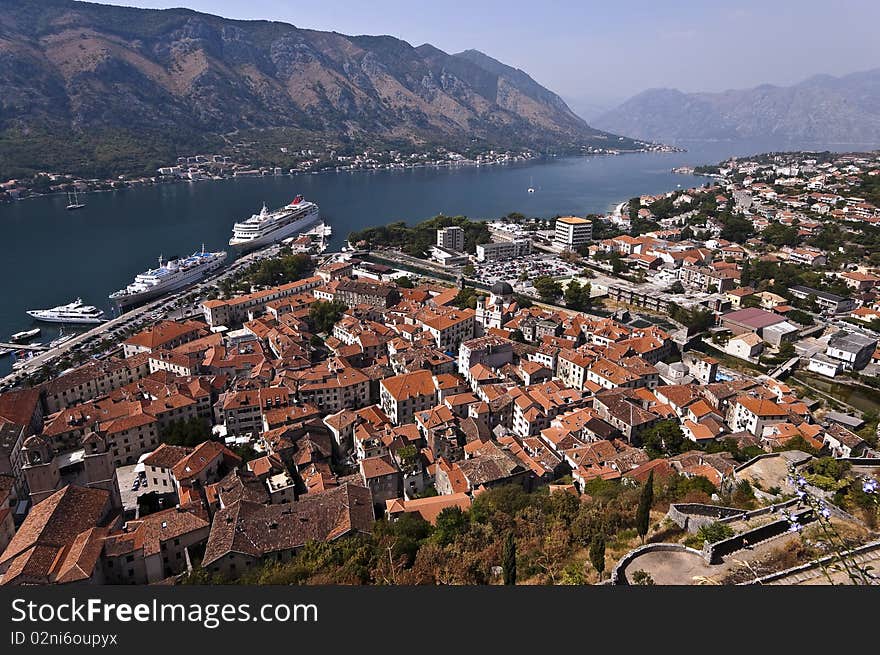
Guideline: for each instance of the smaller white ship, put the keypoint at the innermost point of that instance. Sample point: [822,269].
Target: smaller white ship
[170,276]
[75,312]
[20,337]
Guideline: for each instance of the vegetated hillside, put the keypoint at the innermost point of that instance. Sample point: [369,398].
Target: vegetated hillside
[82,83]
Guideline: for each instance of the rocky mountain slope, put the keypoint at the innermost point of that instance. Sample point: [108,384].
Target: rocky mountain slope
[89,75]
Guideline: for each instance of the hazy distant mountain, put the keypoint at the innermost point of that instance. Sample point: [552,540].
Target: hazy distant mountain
[822,109]
[590,106]
[75,74]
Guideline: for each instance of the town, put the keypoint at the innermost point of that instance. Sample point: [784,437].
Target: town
[682,391]
[252,159]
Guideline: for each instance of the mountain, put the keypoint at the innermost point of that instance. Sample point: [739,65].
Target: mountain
[821,109]
[81,81]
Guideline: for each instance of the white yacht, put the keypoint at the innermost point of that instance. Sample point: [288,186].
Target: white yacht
[75,312]
[74,203]
[270,227]
[169,276]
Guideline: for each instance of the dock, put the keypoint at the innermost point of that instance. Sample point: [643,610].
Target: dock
[23,346]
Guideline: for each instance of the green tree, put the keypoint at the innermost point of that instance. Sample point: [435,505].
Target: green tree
[736,228]
[279,270]
[466,298]
[800,316]
[186,432]
[663,438]
[451,524]
[404,282]
[786,350]
[325,314]
[522,301]
[643,513]
[597,554]
[745,273]
[751,301]
[642,578]
[577,296]
[508,559]
[548,288]
[715,532]
[780,235]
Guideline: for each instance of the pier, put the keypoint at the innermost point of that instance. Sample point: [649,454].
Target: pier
[23,346]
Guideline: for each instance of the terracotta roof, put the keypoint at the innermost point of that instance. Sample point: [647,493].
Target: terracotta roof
[257,530]
[428,508]
[200,458]
[661,468]
[18,406]
[409,385]
[761,406]
[377,467]
[149,532]
[56,522]
[166,456]
[164,332]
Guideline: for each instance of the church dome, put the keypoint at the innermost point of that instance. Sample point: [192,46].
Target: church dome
[501,288]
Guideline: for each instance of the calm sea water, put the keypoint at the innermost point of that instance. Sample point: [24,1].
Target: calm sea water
[51,256]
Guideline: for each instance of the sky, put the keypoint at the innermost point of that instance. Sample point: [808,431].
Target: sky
[596,54]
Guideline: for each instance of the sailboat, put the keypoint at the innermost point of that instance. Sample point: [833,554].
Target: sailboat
[531,186]
[75,204]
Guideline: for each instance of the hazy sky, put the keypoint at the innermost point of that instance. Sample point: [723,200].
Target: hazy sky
[600,52]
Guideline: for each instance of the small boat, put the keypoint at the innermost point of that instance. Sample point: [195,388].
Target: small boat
[5,351]
[531,185]
[27,335]
[74,203]
[61,339]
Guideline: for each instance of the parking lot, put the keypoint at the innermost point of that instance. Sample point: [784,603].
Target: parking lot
[520,272]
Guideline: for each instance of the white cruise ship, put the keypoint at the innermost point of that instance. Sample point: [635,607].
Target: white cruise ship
[75,312]
[270,227]
[171,275]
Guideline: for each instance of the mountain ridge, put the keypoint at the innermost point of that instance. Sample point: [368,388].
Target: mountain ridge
[74,70]
[820,109]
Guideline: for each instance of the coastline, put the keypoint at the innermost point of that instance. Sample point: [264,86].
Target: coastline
[265,172]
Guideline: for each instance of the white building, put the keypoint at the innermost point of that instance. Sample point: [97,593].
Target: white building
[451,238]
[504,249]
[572,231]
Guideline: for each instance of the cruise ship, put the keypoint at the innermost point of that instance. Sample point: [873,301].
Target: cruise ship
[270,227]
[171,275]
[75,312]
